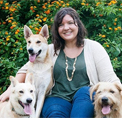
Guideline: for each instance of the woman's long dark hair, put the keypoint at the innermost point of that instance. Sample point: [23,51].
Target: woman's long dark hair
[58,42]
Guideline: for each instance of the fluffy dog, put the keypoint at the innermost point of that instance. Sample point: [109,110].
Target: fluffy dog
[21,101]
[39,64]
[107,100]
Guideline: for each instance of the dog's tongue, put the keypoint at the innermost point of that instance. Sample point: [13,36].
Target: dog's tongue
[32,58]
[27,109]
[106,110]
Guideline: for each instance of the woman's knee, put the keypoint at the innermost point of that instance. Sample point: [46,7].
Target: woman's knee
[56,111]
[82,104]
[83,92]
[56,107]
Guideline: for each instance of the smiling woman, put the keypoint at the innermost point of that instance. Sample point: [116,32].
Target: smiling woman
[78,64]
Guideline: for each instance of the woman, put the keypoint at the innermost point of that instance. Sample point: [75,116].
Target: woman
[78,64]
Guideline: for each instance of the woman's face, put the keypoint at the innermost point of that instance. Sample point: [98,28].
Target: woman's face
[68,29]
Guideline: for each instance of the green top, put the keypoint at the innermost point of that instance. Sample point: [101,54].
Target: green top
[64,88]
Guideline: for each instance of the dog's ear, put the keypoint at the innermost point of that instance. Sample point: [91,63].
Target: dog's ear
[44,31]
[27,31]
[93,89]
[14,81]
[29,78]
[118,86]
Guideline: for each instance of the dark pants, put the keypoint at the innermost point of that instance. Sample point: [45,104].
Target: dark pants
[81,106]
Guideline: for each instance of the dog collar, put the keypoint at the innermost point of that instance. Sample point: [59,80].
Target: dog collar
[19,114]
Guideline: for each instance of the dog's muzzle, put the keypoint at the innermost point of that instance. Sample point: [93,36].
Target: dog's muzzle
[105,101]
[26,106]
[106,107]
[30,51]
[29,100]
[33,55]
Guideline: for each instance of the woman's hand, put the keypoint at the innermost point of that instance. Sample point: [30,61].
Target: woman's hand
[5,96]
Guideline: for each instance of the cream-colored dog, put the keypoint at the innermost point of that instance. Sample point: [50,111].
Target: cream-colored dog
[107,100]
[21,100]
[39,64]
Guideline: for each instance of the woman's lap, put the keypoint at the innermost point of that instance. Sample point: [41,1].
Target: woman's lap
[56,108]
[81,106]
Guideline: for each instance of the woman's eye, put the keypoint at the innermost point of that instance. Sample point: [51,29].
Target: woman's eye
[60,25]
[71,22]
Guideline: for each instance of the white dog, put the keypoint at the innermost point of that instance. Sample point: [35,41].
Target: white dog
[108,100]
[39,64]
[21,101]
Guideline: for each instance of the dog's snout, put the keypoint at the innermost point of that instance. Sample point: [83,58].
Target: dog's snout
[29,100]
[104,99]
[30,50]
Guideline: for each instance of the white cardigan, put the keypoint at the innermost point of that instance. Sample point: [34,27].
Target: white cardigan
[98,65]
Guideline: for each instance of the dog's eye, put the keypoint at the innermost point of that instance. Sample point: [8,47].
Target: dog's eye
[38,42]
[112,91]
[99,92]
[31,91]
[21,91]
[29,41]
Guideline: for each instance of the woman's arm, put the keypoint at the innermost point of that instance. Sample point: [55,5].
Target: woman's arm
[103,64]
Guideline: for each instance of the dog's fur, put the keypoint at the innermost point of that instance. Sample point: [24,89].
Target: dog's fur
[39,64]
[21,101]
[107,99]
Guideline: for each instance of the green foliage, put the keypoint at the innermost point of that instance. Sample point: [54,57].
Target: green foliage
[102,19]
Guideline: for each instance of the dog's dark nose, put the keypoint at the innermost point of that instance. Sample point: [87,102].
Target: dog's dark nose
[104,99]
[30,50]
[29,100]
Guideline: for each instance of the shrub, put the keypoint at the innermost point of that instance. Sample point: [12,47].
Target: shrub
[101,18]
